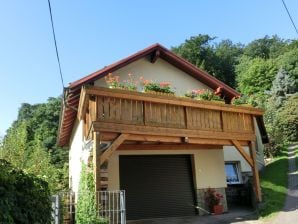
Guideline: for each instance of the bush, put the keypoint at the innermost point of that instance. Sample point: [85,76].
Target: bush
[288,119]
[86,211]
[24,198]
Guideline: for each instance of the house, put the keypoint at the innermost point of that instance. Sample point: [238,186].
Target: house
[164,151]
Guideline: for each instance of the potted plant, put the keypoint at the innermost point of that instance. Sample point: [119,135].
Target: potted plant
[114,82]
[213,201]
[204,94]
[241,101]
[158,87]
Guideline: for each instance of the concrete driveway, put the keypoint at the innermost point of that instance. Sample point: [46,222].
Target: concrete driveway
[237,216]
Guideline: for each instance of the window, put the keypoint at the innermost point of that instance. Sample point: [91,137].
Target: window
[233,173]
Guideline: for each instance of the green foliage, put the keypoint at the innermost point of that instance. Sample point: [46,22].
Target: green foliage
[162,87]
[287,119]
[267,47]
[218,59]
[274,186]
[289,62]
[86,211]
[24,197]
[255,75]
[30,143]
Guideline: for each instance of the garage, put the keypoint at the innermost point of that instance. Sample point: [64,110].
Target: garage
[157,185]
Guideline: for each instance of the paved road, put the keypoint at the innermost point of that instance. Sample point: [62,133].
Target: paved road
[290,210]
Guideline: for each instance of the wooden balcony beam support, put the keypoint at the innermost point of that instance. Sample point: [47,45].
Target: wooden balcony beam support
[168,147]
[242,152]
[107,154]
[108,136]
[175,132]
[96,160]
[255,172]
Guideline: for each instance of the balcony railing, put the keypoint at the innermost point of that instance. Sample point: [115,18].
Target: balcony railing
[114,106]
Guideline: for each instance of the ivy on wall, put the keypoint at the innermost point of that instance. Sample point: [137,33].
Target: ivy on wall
[86,211]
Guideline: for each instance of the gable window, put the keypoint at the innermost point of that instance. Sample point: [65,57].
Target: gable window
[233,173]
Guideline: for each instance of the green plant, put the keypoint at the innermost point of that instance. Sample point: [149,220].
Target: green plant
[163,87]
[274,182]
[212,198]
[87,211]
[24,197]
[204,94]
[114,82]
[240,100]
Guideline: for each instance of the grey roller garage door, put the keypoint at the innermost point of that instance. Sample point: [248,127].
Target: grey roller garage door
[157,186]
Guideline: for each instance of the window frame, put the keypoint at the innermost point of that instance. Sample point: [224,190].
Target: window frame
[236,165]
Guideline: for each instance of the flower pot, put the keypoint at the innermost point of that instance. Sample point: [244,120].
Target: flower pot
[217,209]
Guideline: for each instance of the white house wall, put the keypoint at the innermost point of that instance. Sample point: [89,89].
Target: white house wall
[208,166]
[75,155]
[160,71]
[232,154]
[259,146]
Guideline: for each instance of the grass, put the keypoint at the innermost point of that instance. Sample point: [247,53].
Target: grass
[274,183]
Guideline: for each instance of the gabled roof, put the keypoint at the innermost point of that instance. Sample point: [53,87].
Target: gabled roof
[153,52]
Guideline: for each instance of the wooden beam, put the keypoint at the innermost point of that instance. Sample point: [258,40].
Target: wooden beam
[255,172]
[96,160]
[109,136]
[162,131]
[83,104]
[242,152]
[168,147]
[209,141]
[154,138]
[155,55]
[107,154]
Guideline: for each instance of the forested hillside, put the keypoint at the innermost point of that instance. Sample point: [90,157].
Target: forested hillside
[30,143]
[265,70]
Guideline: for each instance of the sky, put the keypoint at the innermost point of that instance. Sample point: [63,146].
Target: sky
[94,33]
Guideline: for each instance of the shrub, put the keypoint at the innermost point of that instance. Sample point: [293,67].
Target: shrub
[24,198]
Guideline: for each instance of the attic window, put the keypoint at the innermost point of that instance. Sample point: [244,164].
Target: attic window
[233,174]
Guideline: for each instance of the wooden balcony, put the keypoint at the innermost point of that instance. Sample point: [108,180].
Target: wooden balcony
[160,117]
[141,121]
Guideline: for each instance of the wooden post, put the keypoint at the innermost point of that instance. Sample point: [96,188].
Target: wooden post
[96,165]
[255,171]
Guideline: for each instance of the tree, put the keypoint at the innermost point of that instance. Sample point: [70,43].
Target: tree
[227,56]
[197,50]
[255,76]
[267,47]
[30,143]
[289,62]
[218,59]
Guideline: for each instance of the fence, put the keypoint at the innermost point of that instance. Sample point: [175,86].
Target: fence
[112,207]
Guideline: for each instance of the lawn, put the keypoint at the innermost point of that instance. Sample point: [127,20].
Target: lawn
[274,182]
